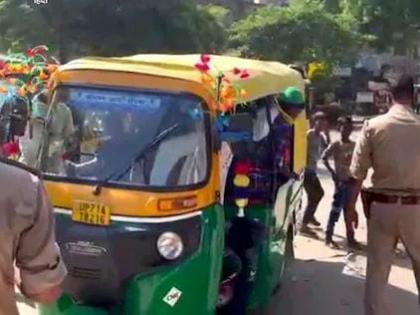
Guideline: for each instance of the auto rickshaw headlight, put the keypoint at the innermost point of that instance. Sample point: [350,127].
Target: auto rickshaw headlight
[170,245]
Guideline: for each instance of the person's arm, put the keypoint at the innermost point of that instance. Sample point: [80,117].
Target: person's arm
[286,163]
[353,193]
[38,258]
[327,134]
[325,139]
[49,296]
[328,152]
[360,164]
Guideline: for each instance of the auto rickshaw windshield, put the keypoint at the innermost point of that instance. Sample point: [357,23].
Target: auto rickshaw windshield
[94,133]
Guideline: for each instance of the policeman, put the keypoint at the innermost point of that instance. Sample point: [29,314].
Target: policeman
[390,144]
[27,237]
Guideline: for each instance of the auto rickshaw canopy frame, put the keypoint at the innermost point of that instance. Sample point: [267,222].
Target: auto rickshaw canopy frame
[265,77]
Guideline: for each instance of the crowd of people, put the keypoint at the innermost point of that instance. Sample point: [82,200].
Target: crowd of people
[320,147]
[389,145]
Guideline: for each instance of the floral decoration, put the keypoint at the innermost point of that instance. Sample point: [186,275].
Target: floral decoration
[228,93]
[27,72]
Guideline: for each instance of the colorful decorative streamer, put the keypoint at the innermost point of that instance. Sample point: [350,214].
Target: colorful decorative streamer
[228,94]
[27,73]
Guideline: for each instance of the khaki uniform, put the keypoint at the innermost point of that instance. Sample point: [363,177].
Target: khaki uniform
[27,237]
[61,128]
[390,144]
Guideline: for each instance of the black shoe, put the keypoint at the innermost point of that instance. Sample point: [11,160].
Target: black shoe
[314,222]
[330,243]
[352,244]
[305,230]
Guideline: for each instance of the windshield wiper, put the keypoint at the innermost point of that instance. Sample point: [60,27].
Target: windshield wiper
[121,172]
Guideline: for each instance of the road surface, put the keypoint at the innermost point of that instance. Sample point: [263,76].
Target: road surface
[325,281]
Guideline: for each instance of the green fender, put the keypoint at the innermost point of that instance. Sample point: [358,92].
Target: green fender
[192,285]
[272,250]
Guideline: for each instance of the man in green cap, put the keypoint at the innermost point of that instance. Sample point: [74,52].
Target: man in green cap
[292,103]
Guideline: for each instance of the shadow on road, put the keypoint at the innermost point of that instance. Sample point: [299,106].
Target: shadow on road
[328,291]
[401,258]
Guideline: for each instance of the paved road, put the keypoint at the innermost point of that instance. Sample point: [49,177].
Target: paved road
[325,281]
[26,307]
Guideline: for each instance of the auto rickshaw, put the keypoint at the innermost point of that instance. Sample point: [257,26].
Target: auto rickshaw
[140,189]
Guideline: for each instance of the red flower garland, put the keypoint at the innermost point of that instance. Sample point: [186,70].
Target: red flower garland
[229,94]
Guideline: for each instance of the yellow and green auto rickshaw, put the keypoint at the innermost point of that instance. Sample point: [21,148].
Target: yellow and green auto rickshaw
[138,157]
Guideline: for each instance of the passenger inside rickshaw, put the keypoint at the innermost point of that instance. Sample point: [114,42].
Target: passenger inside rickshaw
[265,158]
[261,144]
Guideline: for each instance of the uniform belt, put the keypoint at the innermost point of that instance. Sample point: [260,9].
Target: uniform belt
[405,200]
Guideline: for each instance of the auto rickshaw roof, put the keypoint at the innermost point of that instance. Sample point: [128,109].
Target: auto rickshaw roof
[266,77]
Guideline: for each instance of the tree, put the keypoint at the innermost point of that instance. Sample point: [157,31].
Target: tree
[17,19]
[220,13]
[109,28]
[332,6]
[303,32]
[390,23]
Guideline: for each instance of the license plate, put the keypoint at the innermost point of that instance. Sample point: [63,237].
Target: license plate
[91,213]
